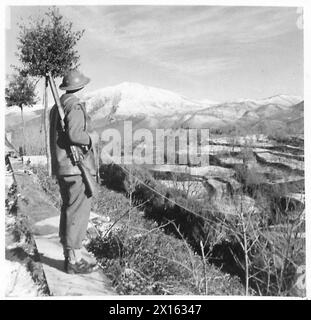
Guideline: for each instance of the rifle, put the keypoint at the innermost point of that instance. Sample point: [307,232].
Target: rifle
[75,155]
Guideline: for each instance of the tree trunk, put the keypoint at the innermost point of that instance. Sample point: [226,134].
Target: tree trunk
[23,128]
[46,128]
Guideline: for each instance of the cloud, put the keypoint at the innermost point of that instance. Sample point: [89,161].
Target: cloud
[187,39]
[199,67]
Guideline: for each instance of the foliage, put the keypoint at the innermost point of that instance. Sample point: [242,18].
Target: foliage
[243,243]
[48,44]
[20,91]
[141,258]
[49,185]
[20,244]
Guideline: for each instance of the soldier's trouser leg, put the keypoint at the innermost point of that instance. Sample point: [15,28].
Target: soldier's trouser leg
[75,211]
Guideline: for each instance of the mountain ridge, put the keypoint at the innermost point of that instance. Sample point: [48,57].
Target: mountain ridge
[156,107]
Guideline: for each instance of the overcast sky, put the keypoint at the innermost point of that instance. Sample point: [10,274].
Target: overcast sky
[216,53]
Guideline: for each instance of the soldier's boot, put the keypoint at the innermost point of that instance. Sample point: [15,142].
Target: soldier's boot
[76,264]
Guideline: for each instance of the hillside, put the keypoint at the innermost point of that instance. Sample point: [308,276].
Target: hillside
[256,170]
[158,108]
[151,107]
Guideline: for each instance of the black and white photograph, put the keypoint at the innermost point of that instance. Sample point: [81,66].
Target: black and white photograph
[154,150]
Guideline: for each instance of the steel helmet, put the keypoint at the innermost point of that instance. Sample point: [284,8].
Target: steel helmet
[74,80]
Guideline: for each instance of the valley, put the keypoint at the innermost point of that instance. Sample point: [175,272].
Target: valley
[255,177]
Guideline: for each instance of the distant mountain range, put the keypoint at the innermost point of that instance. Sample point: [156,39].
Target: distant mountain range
[159,108]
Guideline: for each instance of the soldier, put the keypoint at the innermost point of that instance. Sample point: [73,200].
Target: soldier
[76,204]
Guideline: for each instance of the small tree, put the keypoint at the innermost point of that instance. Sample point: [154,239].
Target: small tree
[47,45]
[20,92]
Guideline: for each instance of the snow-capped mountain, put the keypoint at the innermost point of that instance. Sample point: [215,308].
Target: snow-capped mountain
[209,102]
[157,108]
[281,100]
[137,99]
[154,107]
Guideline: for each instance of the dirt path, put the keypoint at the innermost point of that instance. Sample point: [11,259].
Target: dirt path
[44,220]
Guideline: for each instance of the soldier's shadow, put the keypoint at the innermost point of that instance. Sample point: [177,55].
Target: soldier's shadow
[57,264]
